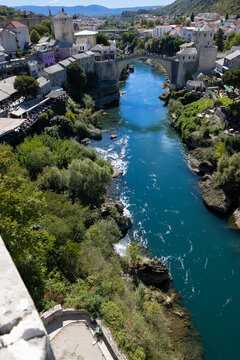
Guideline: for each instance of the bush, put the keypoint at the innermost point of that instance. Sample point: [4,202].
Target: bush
[87,181]
[53,178]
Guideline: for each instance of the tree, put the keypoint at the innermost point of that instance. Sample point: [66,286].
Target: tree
[102,39]
[77,80]
[232,77]
[34,36]
[220,39]
[19,53]
[192,17]
[87,181]
[26,86]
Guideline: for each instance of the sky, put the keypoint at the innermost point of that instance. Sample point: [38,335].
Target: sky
[107,3]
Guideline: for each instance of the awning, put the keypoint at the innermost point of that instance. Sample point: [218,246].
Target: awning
[3,95]
[227,88]
[55,94]
[9,124]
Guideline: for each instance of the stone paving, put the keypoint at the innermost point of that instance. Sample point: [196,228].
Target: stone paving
[72,338]
[75,341]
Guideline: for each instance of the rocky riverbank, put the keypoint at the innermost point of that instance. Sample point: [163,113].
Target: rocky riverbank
[206,150]
[158,289]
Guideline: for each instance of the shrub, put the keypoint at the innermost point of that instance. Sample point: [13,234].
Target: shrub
[87,181]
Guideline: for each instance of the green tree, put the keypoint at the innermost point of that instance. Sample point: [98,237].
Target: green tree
[192,17]
[134,253]
[34,36]
[102,39]
[232,77]
[220,39]
[26,86]
[77,80]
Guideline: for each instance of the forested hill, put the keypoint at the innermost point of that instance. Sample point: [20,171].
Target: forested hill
[186,7]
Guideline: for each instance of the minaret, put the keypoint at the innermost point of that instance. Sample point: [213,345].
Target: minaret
[51,20]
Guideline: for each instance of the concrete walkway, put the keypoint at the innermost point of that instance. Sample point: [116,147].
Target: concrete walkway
[72,337]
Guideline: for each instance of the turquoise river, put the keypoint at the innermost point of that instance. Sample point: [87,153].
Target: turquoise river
[163,197]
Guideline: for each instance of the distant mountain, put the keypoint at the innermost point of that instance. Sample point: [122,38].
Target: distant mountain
[186,7]
[91,10]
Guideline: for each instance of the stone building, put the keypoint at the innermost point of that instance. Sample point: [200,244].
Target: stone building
[207,52]
[105,52]
[86,61]
[63,27]
[56,74]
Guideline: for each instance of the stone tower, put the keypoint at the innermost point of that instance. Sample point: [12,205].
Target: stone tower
[207,52]
[63,27]
[203,37]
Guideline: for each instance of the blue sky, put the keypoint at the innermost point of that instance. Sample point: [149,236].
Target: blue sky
[107,3]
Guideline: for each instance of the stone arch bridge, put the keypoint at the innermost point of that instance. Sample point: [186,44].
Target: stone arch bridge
[110,70]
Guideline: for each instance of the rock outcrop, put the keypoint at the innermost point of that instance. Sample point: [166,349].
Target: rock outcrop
[95,134]
[153,273]
[235,218]
[116,173]
[124,223]
[215,197]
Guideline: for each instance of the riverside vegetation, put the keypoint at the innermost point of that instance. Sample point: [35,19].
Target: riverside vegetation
[215,153]
[51,194]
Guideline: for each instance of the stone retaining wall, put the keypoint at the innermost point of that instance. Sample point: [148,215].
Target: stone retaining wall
[22,334]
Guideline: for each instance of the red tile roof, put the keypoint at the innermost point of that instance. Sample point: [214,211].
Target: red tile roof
[14,24]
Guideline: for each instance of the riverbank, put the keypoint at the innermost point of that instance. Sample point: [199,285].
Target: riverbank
[213,150]
[169,217]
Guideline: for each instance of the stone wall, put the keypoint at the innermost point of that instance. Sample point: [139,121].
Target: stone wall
[22,334]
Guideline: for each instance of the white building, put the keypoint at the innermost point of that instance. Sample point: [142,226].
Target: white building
[85,35]
[8,41]
[21,33]
[186,33]
[161,30]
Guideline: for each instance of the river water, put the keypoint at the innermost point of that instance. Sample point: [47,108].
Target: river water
[164,200]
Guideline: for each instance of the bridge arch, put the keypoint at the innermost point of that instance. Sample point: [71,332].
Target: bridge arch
[164,61]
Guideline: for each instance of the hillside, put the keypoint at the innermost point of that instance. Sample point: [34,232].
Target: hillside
[186,7]
[91,10]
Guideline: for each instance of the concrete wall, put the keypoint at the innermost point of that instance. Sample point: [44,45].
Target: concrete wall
[22,334]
